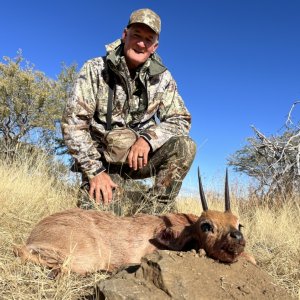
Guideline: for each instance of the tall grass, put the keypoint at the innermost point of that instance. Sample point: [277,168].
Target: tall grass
[28,192]
[36,188]
[273,233]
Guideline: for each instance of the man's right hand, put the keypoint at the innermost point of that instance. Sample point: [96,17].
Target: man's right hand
[101,187]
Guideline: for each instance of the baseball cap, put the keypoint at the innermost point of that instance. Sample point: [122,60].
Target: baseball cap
[148,17]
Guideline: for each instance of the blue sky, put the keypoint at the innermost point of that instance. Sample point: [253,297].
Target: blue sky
[236,63]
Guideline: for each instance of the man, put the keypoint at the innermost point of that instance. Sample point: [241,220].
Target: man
[126,117]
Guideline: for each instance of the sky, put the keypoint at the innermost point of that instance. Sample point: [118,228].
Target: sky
[236,62]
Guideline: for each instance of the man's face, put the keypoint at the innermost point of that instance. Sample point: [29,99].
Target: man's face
[140,42]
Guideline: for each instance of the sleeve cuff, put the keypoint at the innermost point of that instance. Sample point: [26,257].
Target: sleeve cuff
[92,174]
[147,138]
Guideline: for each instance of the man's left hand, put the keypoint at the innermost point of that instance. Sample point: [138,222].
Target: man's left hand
[138,155]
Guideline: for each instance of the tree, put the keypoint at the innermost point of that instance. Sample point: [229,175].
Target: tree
[31,104]
[273,161]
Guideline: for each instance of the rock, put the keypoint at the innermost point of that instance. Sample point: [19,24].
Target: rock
[167,275]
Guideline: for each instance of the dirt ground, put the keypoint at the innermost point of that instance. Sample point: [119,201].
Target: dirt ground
[189,275]
[236,281]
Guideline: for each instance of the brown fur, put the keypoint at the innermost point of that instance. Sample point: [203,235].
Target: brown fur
[86,240]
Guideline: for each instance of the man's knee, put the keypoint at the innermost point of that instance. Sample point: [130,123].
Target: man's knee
[176,158]
[186,144]
[183,147]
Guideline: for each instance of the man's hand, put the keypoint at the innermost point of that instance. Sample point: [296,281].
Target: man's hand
[138,155]
[101,187]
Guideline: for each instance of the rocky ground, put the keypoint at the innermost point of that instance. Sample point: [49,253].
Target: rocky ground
[188,275]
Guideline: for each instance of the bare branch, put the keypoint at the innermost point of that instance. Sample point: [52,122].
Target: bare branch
[289,117]
[274,161]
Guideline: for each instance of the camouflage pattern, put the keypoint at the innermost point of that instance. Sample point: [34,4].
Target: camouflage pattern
[148,17]
[169,165]
[148,103]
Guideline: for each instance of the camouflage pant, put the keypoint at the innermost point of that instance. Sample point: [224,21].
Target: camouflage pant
[169,165]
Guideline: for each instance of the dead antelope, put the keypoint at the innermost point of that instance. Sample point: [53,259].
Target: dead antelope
[86,240]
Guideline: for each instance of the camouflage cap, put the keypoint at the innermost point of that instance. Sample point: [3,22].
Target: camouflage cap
[148,17]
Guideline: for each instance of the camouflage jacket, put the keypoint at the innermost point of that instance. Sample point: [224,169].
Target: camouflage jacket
[148,103]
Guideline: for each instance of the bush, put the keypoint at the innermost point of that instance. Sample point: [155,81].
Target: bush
[273,161]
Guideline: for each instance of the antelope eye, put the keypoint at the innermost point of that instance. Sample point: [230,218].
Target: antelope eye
[240,227]
[205,227]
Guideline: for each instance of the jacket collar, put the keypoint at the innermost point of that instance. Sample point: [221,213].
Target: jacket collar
[115,52]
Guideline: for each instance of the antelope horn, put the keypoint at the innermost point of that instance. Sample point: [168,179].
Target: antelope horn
[227,197]
[202,196]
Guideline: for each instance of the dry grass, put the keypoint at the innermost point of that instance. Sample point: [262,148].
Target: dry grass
[273,233]
[29,192]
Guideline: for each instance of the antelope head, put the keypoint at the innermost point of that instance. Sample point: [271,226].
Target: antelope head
[219,233]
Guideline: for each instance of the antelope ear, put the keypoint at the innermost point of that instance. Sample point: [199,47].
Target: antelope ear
[168,236]
[174,238]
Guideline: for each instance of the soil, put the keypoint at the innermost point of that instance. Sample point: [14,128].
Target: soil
[190,275]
